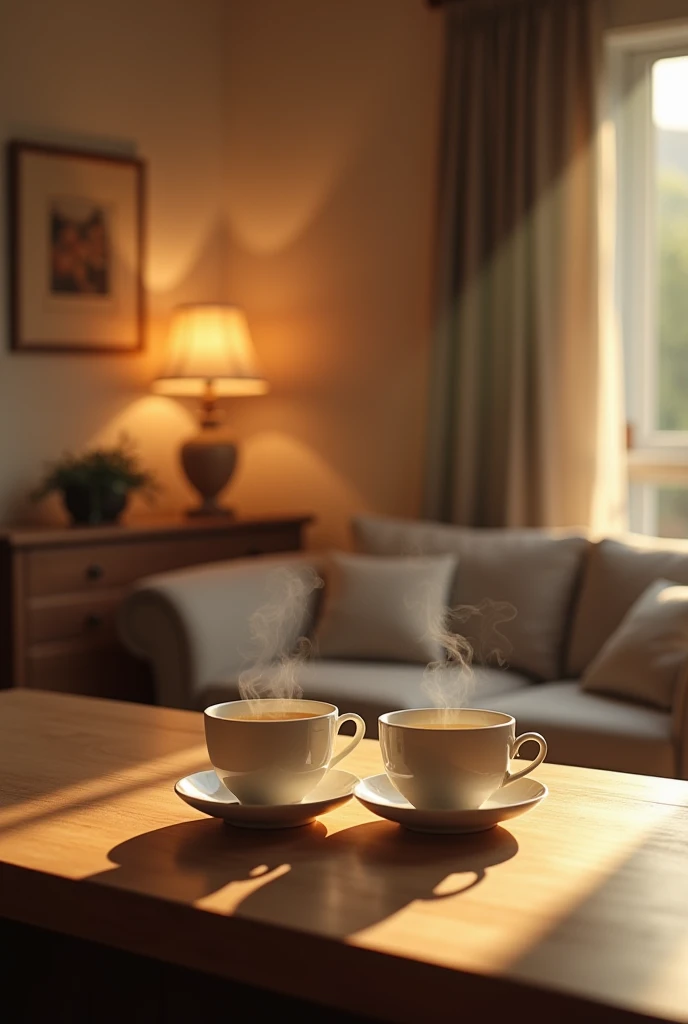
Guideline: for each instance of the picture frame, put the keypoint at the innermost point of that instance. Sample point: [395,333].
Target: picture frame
[75,258]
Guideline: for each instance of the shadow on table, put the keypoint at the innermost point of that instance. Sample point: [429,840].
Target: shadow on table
[304,878]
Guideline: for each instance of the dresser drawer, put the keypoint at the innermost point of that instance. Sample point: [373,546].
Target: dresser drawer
[60,588]
[61,618]
[90,568]
[96,670]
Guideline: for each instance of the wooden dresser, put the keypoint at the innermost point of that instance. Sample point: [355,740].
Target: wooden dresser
[60,590]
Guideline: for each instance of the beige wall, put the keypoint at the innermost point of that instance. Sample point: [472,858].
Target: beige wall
[333,112]
[291,147]
[291,150]
[141,76]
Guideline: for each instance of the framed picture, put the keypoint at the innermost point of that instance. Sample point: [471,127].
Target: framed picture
[76,249]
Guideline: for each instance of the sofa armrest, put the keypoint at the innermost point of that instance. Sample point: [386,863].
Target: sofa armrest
[198,625]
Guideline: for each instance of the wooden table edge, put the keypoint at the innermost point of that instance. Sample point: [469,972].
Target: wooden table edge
[328,971]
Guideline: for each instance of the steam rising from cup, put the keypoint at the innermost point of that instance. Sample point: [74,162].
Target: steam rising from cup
[449,682]
[278,644]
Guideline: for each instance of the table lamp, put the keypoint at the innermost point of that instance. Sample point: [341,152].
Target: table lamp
[211,356]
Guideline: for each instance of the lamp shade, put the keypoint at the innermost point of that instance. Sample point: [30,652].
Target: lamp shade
[210,344]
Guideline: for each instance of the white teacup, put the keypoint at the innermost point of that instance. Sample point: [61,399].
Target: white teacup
[274,751]
[452,759]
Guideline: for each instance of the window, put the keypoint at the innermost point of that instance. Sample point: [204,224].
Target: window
[650,104]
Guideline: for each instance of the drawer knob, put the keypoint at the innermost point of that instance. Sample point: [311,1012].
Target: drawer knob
[94,572]
[92,621]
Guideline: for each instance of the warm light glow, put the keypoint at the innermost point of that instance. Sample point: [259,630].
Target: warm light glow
[670,94]
[210,342]
[157,426]
[222,386]
[159,772]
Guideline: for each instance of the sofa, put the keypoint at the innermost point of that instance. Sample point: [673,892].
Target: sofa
[196,627]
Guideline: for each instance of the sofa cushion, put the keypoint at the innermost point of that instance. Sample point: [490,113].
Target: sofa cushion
[645,658]
[592,731]
[373,688]
[389,609]
[533,571]
[615,575]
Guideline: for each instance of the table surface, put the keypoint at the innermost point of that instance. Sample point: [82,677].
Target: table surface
[580,906]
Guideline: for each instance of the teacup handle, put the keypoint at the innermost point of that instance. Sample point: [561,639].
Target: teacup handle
[518,743]
[355,739]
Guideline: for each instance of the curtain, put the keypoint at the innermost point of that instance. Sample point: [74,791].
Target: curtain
[525,418]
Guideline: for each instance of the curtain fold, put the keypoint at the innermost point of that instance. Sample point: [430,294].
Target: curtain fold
[525,419]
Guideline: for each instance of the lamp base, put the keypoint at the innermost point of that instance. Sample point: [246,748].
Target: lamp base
[209,463]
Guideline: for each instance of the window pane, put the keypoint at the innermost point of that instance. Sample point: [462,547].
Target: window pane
[672,512]
[642,508]
[670,116]
[659,511]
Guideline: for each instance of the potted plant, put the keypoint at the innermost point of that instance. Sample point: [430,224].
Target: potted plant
[95,486]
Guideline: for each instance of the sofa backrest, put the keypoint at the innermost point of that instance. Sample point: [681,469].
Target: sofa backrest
[615,574]
[535,571]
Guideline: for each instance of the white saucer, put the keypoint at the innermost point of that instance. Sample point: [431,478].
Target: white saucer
[379,795]
[205,792]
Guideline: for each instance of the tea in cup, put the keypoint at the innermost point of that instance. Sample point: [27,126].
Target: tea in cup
[452,759]
[272,750]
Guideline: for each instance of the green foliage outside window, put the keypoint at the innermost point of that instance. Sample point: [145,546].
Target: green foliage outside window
[672,309]
[672,300]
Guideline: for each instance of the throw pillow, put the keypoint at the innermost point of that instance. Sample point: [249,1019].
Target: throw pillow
[644,658]
[520,581]
[616,573]
[379,608]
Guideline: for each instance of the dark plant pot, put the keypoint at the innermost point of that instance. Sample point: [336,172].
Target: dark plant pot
[89,506]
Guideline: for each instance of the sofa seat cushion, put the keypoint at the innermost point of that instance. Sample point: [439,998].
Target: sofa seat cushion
[592,731]
[373,688]
[524,580]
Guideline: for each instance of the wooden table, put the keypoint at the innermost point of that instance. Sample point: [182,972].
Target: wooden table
[577,911]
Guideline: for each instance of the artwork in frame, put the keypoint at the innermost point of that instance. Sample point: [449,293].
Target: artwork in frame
[75,250]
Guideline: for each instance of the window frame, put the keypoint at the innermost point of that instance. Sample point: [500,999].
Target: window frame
[656,458]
